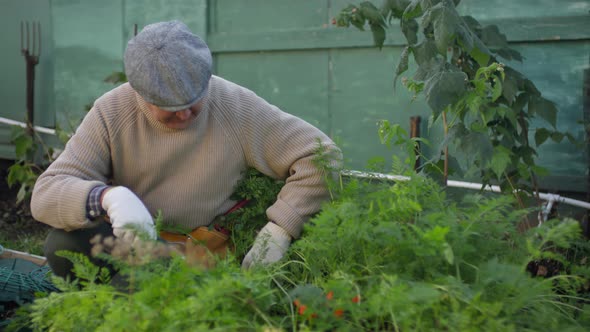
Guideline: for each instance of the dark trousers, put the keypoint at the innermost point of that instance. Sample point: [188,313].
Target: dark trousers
[77,241]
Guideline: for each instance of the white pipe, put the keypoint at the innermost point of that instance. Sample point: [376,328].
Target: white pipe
[24,125]
[466,185]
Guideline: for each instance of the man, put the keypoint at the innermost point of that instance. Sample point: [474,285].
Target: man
[177,138]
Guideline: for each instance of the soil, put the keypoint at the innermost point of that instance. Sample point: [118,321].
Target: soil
[16,220]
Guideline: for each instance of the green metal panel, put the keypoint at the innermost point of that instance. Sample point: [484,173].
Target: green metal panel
[13,68]
[557,70]
[500,9]
[296,82]
[251,16]
[142,12]
[90,39]
[362,95]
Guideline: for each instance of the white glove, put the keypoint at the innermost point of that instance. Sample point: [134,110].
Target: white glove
[270,245]
[128,215]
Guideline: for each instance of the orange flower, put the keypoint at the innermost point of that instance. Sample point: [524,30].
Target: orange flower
[330,295]
[302,309]
[297,303]
[356,299]
[338,312]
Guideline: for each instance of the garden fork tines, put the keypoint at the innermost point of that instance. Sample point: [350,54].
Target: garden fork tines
[30,45]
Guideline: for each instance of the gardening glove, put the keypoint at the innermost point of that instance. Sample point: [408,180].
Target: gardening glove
[127,214]
[270,245]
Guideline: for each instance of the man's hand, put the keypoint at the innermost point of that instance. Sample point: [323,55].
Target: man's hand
[270,245]
[127,214]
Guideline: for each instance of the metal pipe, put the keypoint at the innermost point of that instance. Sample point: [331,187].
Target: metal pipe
[24,125]
[415,132]
[465,185]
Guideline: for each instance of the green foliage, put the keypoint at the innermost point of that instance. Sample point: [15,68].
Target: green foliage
[490,105]
[380,257]
[394,134]
[261,192]
[32,156]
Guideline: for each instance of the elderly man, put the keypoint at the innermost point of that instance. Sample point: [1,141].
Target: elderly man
[177,139]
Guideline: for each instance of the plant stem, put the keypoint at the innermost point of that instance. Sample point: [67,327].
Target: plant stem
[446,132]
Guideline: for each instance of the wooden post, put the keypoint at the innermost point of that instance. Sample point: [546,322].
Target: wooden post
[415,132]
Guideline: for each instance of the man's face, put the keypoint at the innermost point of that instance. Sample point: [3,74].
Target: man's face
[176,120]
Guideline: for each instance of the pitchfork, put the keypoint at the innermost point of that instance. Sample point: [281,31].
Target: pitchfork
[31,50]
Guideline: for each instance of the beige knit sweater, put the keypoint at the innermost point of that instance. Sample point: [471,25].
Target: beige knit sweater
[188,174]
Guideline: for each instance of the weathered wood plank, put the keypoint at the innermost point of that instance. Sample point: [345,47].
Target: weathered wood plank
[9,253]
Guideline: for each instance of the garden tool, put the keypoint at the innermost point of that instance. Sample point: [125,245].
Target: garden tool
[31,50]
[203,245]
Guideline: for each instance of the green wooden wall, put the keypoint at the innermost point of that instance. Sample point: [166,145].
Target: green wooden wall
[13,68]
[288,52]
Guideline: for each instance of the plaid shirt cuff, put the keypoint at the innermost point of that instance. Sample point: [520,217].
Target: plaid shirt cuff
[93,207]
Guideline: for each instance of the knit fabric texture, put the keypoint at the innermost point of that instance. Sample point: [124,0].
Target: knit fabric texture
[188,174]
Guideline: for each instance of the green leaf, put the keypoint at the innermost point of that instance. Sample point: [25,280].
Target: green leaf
[410,30]
[448,254]
[477,145]
[23,144]
[541,135]
[424,52]
[22,194]
[500,160]
[402,65]
[543,108]
[378,35]
[446,22]
[372,13]
[510,87]
[471,23]
[557,137]
[444,88]
[466,37]
[492,37]
[413,10]
[520,102]
[15,174]
[397,7]
[530,87]
[480,53]
[497,89]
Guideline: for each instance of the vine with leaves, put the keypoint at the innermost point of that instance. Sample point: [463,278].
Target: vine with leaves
[485,107]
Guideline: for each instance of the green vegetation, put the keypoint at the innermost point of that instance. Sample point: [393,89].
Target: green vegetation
[381,256]
[485,107]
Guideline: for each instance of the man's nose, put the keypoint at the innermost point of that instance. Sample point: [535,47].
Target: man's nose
[183,115]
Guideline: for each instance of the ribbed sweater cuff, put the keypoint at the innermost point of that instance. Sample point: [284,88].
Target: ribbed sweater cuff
[283,215]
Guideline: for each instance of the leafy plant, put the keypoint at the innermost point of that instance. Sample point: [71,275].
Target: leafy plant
[485,106]
[33,155]
[382,256]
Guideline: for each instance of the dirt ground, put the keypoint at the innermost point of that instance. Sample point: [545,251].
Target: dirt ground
[18,229]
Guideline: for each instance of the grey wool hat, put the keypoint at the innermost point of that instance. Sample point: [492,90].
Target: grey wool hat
[168,65]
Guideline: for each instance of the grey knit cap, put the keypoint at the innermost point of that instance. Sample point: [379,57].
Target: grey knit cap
[168,65]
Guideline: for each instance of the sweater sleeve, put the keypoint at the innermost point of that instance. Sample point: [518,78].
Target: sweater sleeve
[60,194]
[286,147]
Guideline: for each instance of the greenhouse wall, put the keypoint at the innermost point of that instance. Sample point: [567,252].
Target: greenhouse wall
[289,53]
